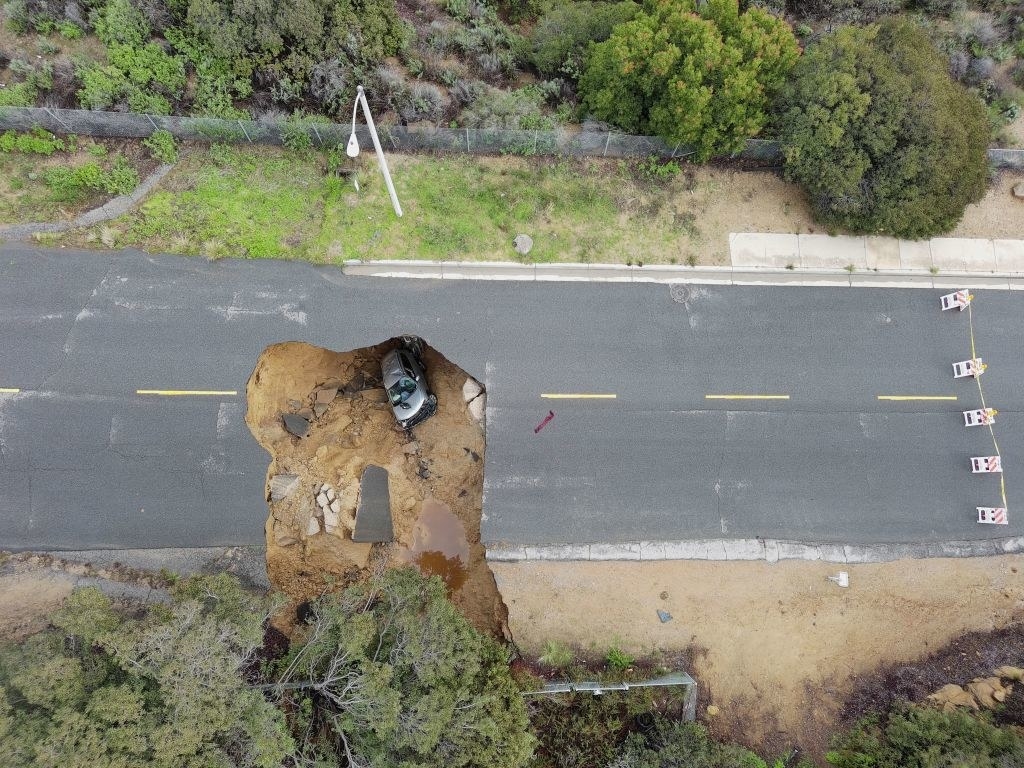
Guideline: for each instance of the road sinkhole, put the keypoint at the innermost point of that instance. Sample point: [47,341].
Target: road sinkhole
[341,464]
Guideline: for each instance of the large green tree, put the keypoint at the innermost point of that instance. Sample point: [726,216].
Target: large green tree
[389,673]
[879,135]
[694,72]
[166,690]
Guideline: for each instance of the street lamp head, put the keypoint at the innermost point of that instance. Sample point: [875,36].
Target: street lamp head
[352,150]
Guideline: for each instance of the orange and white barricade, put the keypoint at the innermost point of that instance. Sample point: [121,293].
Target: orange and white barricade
[992,515]
[956,300]
[983,464]
[980,417]
[973,367]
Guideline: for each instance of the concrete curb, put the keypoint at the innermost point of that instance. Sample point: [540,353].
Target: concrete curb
[768,550]
[619,273]
[109,210]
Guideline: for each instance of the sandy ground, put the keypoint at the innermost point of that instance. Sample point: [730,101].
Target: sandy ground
[27,598]
[727,201]
[441,462]
[778,645]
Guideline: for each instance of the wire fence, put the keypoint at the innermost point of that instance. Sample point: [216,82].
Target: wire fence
[479,141]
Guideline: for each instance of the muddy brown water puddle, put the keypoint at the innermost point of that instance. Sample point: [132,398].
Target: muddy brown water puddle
[439,546]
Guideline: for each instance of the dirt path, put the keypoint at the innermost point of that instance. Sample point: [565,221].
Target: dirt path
[783,643]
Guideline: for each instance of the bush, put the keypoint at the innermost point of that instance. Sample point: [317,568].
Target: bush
[36,142]
[69,185]
[618,659]
[18,95]
[880,137]
[910,735]
[560,39]
[512,110]
[673,743]
[556,655]
[120,22]
[161,146]
[424,101]
[699,76]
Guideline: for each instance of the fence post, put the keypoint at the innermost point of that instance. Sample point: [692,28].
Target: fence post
[467,138]
[318,138]
[607,139]
[244,132]
[150,118]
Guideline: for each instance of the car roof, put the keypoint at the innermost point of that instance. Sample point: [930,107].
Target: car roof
[391,367]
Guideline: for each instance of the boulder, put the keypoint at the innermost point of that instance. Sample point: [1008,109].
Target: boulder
[331,520]
[411,449]
[523,244]
[1010,673]
[295,424]
[322,500]
[326,395]
[952,695]
[329,492]
[471,389]
[1018,191]
[319,409]
[477,408]
[334,506]
[712,710]
[985,690]
[312,527]
[283,486]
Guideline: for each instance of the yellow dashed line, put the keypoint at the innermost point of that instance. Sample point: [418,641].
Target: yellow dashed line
[746,397]
[179,392]
[9,390]
[578,396]
[917,397]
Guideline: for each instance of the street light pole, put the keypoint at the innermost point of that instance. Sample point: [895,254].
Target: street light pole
[352,150]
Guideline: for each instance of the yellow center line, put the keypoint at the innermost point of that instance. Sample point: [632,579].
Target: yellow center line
[9,390]
[917,397]
[578,396]
[179,392]
[746,397]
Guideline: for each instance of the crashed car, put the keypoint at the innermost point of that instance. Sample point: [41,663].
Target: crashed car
[405,380]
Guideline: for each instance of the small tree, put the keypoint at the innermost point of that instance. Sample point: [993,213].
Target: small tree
[390,673]
[910,735]
[694,73]
[162,691]
[879,135]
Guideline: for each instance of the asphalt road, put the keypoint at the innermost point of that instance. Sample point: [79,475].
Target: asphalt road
[86,463]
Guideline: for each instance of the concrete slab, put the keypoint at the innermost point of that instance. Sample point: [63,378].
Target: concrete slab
[881,253]
[706,275]
[568,552]
[469,270]
[652,550]
[955,282]
[610,273]
[763,249]
[506,554]
[785,277]
[743,549]
[915,254]
[889,280]
[832,553]
[571,272]
[373,516]
[1016,283]
[659,274]
[614,551]
[794,550]
[394,267]
[1009,255]
[830,252]
[963,254]
[686,550]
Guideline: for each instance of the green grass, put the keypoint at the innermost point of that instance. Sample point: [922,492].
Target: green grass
[272,203]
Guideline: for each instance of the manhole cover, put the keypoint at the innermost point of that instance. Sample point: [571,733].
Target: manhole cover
[680,293]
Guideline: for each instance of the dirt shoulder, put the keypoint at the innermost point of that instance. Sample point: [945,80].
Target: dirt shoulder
[781,644]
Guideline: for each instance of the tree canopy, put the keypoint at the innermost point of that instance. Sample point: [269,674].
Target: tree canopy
[163,691]
[695,73]
[389,673]
[880,137]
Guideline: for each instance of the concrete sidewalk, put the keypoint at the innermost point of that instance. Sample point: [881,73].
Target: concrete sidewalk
[771,259]
[937,256]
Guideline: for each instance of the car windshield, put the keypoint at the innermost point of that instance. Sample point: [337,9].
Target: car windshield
[401,390]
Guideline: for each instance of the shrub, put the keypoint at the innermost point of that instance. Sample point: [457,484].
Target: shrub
[556,655]
[560,39]
[912,735]
[880,137]
[120,22]
[618,659]
[702,75]
[424,101]
[18,95]
[71,184]
[516,110]
[36,142]
[161,146]
[673,743]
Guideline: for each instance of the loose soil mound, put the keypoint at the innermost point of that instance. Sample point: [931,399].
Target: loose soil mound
[351,427]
